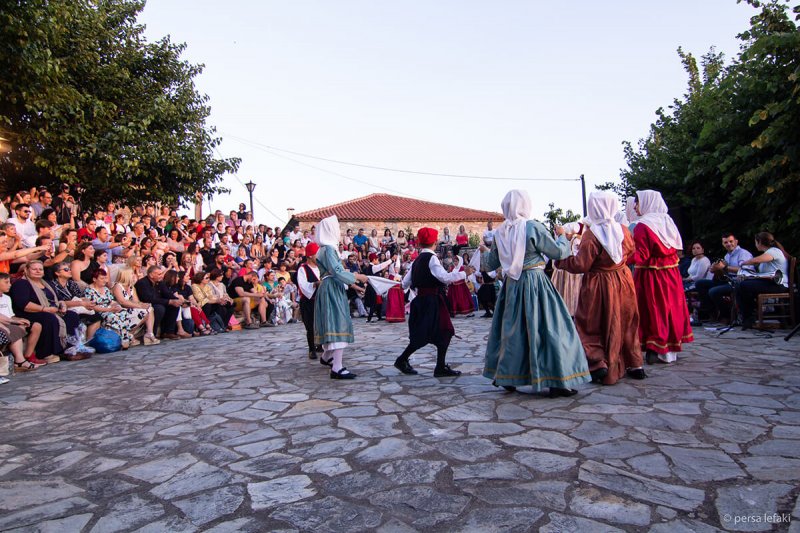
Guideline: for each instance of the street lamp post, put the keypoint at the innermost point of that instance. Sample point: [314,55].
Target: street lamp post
[250,188]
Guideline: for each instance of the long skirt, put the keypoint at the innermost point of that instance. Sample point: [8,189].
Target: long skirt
[568,286]
[533,339]
[607,320]
[395,305]
[49,342]
[460,298]
[333,326]
[663,316]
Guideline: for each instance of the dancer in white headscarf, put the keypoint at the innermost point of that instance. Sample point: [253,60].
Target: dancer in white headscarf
[333,327]
[532,340]
[607,317]
[663,315]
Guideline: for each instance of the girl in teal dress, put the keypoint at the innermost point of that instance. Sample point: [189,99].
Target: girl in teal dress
[333,327]
[533,340]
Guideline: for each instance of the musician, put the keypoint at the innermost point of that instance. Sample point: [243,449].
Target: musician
[773,259]
[712,292]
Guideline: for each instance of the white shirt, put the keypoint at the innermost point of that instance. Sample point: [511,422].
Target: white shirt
[380,266]
[437,270]
[699,269]
[307,288]
[26,231]
[5,306]
[488,237]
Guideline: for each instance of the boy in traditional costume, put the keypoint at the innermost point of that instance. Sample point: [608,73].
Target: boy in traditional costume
[307,282]
[429,319]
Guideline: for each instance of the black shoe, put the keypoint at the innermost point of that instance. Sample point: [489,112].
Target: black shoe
[747,323]
[405,367]
[637,373]
[487,314]
[342,374]
[651,357]
[509,388]
[319,349]
[312,355]
[326,362]
[380,318]
[599,375]
[445,372]
[560,392]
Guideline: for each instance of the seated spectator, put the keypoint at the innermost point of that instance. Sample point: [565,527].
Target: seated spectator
[72,295]
[220,290]
[462,240]
[700,267]
[207,301]
[373,242]
[151,290]
[712,293]
[34,300]
[111,312]
[125,295]
[284,304]
[84,264]
[16,257]
[283,271]
[172,283]
[773,259]
[14,330]
[247,298]
[360,241]
[241,256]
[202,323]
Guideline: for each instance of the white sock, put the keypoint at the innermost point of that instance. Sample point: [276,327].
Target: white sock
[337,359]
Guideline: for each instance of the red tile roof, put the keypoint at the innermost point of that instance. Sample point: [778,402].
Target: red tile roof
[386,207]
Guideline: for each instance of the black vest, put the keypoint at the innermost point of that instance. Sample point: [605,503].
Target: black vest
[421,276]
[311,277]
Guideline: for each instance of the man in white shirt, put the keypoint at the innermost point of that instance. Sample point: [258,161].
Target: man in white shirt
[429,320]
[488,235]
[26,229]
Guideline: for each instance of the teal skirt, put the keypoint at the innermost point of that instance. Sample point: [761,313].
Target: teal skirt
[533,340]
[332,322]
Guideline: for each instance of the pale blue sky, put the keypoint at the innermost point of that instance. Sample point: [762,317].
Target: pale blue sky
[506,88]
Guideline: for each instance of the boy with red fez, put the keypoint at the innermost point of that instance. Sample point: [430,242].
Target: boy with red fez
[429,320]
[307,282]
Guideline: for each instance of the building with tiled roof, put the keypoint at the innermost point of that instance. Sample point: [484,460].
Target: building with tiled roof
[381,211]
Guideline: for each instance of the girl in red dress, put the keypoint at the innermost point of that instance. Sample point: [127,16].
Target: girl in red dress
[663,315]
[458,294]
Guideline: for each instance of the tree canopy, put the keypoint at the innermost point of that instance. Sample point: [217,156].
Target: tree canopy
[86,99]
[726,155]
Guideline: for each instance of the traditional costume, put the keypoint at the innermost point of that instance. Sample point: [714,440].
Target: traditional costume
[372,299]
[307,277]
[663,315]
[532,340]
[396,305]
[607,318]
[429,320]
[458,294]
[568,284]
[333,327]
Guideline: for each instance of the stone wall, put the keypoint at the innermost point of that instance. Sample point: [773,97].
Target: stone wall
[394,226]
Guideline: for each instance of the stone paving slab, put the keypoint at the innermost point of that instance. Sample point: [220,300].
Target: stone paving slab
[241,432]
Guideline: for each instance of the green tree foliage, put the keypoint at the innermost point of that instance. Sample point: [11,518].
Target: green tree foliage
[557,216]
[85,98]
[726,156]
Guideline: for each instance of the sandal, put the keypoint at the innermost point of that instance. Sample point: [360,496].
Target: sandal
[150,340]
[26,366]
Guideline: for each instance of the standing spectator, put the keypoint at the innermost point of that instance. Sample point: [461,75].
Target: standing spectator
[23,222]
[44,202]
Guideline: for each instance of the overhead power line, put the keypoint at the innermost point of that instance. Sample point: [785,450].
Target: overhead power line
[268,147]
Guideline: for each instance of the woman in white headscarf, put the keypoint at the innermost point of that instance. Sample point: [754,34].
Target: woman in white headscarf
[532,340]
[663,315]
[333,327]
[607,317]
[567,284]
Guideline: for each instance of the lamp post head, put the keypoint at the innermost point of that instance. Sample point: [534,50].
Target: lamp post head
[250,186]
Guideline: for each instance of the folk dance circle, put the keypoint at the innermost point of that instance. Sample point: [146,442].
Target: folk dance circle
[615,300]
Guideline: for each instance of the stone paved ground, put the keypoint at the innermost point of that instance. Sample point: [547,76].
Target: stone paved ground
[241,432]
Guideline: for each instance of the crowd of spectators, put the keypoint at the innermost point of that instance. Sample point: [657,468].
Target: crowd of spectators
[149,274]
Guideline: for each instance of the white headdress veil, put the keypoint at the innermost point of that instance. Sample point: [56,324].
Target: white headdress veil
[328,232]
[654,216]
[602,207]
[510,236]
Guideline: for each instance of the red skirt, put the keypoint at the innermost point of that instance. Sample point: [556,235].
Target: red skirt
[663,315]
[395,305]
[460,298]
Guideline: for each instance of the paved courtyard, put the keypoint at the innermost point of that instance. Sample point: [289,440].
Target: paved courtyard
[241,432]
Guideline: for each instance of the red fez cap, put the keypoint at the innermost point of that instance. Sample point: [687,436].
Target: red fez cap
[427,236]
[312,248]
[372,256]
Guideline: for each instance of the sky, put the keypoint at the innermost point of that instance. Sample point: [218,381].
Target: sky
[508,89]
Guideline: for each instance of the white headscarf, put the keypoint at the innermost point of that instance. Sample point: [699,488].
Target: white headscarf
[510,236]
[608,232]
[630,210]
[622,218]
[328,232]
[572,227]
[654,216]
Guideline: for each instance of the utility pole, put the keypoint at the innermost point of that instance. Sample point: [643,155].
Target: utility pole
[583,193]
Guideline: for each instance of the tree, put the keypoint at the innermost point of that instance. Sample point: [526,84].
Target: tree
[556,216]
[86,99]
[726,156]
